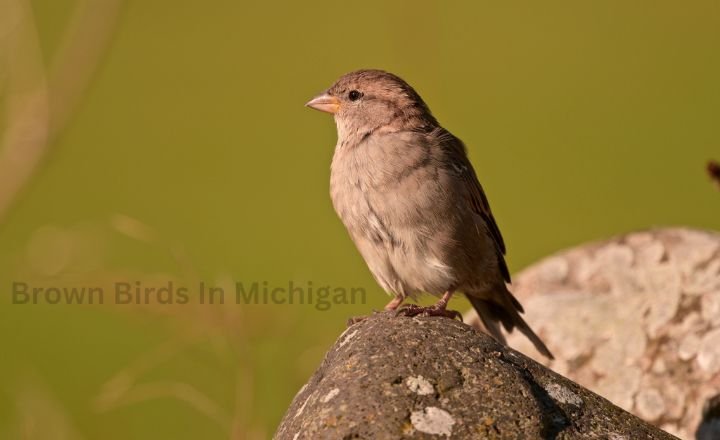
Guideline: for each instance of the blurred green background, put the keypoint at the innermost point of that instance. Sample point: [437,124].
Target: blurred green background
[179,149]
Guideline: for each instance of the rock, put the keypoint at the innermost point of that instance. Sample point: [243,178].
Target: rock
[393,377]
[635,319]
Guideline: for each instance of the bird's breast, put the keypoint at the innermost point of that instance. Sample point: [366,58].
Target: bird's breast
[385,185]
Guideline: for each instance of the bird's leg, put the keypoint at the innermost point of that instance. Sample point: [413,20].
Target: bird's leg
[442,304]
[394,304]
[437,309]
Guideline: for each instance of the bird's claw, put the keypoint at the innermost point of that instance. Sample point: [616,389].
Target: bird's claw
[411,310]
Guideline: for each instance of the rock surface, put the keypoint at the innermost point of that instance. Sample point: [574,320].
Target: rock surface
[635,319]
[431,378]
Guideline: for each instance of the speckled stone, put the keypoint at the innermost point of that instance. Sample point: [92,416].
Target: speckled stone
[635,318]
[650,404]
[435,378]
[709,352]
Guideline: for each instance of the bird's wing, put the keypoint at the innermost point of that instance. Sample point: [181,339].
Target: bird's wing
[476,196]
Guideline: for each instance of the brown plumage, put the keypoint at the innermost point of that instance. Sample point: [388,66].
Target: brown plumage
[408,195]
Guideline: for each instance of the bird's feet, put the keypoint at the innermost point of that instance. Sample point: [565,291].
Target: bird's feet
[411,310]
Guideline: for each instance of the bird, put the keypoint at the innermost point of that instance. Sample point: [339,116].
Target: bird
[409,197]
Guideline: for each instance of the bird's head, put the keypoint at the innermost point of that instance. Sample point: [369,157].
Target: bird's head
[367,100]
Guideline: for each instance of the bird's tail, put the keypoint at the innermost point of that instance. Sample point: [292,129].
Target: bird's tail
[493,314]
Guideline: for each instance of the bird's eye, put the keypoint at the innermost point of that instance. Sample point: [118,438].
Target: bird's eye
[354,95]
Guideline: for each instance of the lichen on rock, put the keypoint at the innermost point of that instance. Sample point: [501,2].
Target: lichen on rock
[635,319]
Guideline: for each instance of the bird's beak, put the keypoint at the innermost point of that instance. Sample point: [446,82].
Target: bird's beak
[324,103]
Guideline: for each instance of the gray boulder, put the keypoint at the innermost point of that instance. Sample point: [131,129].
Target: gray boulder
[430,378]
